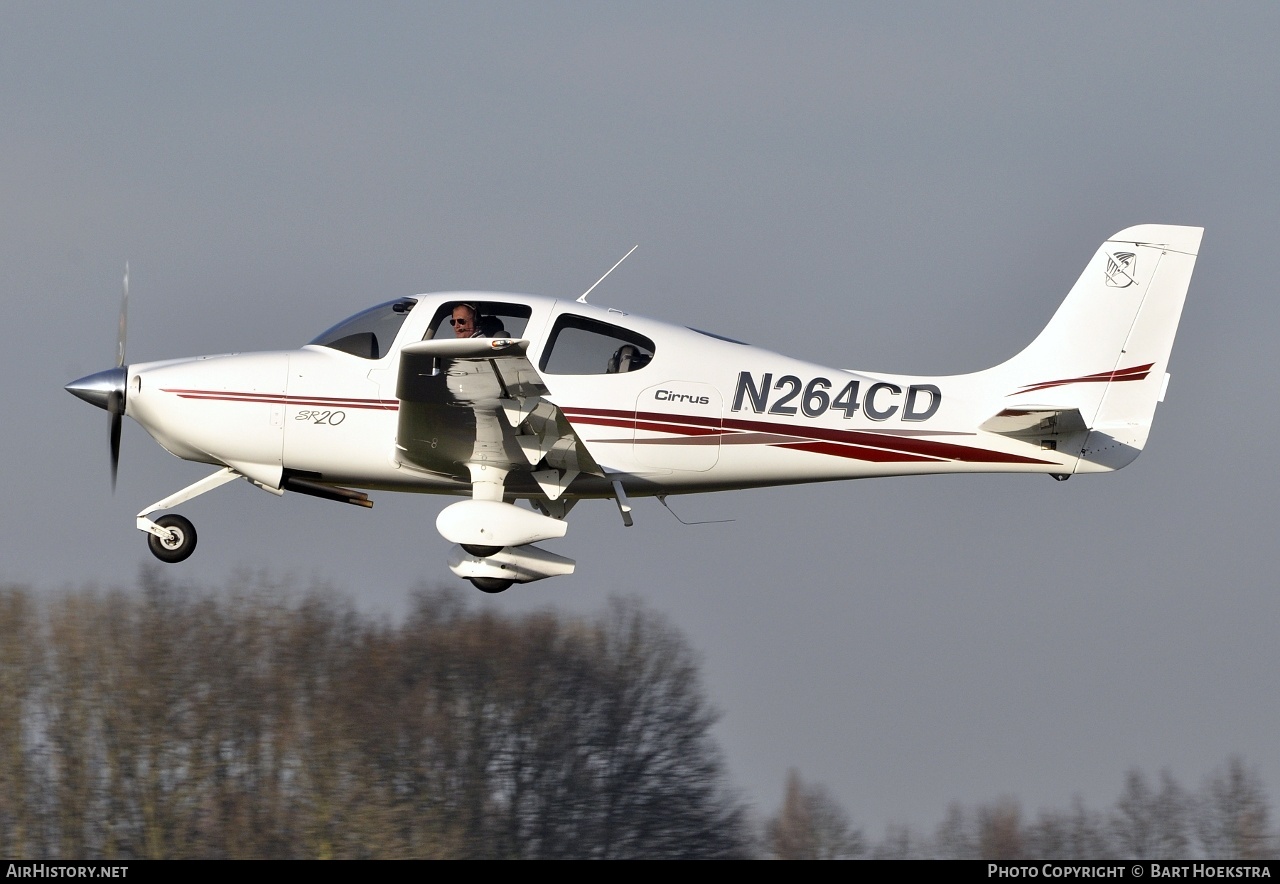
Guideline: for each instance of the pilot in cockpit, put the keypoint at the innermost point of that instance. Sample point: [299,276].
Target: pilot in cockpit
[464,321]
[468,323]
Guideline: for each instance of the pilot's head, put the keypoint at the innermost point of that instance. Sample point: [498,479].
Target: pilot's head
[626,358]
[464,320]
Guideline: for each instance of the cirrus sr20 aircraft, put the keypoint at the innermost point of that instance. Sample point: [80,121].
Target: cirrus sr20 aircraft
[563,400]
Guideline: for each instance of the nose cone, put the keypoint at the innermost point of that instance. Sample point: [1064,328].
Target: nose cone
[97,388]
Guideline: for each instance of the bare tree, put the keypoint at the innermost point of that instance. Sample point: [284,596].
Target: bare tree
[1132,822]
[20,664]
[1231,816]
[811,824]
[1000,829]
[1147,824]
[555,738]
[1170,817]
[1050,836]
[72,718]
[955,837]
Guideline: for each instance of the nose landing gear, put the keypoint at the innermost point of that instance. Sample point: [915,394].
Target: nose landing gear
[172,538]
[179,540]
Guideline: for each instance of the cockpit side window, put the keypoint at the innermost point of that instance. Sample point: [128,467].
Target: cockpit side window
[493,319]
[370,333]
[579,345]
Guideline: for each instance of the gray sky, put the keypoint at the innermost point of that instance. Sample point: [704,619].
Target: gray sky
[883,187]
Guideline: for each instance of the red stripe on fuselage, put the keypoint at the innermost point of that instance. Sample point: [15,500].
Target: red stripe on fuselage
[278,399]
[857,444]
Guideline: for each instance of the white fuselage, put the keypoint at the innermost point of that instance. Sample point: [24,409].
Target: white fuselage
[704,414]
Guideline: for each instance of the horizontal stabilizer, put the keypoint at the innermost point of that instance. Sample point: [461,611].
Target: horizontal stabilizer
[1032,420]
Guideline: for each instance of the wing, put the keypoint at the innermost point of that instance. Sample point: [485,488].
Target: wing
[472,402]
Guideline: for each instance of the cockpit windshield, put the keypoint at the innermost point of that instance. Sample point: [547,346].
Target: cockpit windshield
[370,333]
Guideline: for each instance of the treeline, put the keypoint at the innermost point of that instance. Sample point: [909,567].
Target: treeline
[1227,818]
[165,723]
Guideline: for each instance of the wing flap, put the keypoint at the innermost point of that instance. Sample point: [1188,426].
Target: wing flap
[479,401]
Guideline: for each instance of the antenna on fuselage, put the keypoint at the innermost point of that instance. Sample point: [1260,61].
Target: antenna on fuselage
[662,499]
[583,299]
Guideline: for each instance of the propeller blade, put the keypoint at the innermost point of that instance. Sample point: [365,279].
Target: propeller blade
[115,399]
[122,328]
[115,408]
[116,421]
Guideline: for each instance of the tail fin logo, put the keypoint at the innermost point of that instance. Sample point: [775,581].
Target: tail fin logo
[1120,269]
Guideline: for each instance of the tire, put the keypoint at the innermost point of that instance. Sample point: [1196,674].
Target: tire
[180,544]
[491,584]
[480,551]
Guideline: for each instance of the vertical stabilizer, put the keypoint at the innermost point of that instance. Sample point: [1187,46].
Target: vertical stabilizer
[1106,351]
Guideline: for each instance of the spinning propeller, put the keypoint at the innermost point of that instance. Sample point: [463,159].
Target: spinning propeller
[106,389]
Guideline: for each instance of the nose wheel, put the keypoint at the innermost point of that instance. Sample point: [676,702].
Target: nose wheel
[178,541]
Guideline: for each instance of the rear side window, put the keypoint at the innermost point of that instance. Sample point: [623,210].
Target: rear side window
[579,345]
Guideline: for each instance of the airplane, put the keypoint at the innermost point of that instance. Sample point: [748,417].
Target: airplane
[557,400]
